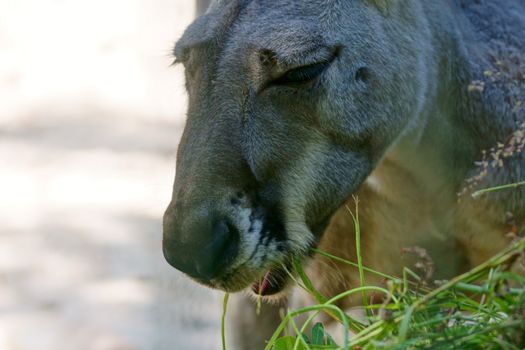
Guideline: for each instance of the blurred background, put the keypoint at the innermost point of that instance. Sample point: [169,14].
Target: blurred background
[90,117]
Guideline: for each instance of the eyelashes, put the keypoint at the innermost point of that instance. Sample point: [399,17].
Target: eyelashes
[301,75]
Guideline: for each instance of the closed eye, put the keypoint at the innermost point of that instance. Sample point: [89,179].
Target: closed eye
[302,74]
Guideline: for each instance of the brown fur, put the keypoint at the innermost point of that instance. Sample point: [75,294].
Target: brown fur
[457,233]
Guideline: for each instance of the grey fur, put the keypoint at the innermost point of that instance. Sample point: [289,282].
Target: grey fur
[306,149]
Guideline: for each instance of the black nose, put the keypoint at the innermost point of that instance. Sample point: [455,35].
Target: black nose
[202,253]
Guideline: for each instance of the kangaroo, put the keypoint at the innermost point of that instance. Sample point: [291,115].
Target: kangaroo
[298,107]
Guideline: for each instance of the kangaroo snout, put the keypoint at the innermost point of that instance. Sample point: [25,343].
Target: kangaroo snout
[213,240]
[201,247]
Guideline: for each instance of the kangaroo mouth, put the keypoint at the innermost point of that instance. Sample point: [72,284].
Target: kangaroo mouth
[273,282]
[277,279]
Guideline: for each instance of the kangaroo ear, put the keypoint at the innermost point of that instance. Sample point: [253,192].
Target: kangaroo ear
[207,28]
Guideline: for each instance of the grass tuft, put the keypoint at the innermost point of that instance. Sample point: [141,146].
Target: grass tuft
[481,309]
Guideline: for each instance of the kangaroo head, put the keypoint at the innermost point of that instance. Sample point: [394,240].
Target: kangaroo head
[291,105]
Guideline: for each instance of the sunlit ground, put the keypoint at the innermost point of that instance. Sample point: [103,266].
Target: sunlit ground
[90,116]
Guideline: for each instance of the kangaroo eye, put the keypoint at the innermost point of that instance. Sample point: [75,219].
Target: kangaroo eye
[302,74]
